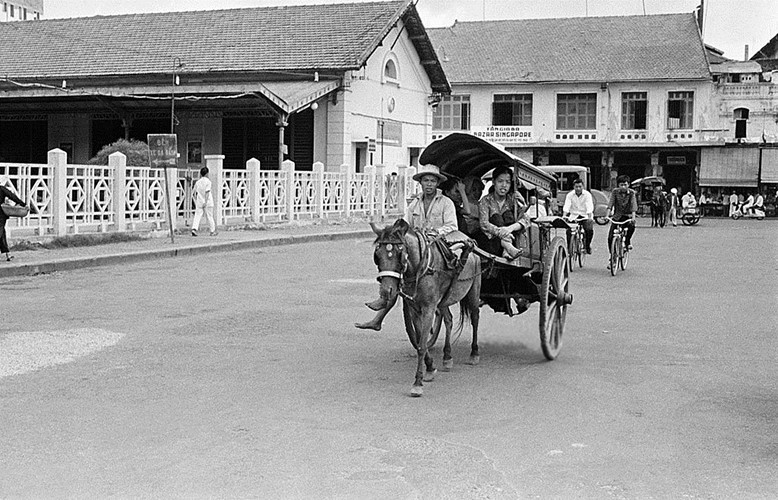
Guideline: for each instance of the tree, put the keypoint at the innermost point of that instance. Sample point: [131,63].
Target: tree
[137,153]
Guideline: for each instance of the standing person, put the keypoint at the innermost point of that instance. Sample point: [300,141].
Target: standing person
[622,207]
[733,202]
[433,213]
[672,203]
[498,221]
[580,205]
[6,193]
[203,203]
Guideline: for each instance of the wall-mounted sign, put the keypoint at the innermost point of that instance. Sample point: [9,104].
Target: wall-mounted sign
[163,150]
[504,134]
[389,132]
[676,160]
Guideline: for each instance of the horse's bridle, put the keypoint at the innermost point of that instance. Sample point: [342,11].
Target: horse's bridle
[400,245]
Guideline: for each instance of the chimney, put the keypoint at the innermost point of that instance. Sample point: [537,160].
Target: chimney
[745,56]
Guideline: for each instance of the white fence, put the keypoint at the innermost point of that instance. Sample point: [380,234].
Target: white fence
[70,199]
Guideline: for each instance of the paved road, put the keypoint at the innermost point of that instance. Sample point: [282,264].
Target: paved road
[240,374]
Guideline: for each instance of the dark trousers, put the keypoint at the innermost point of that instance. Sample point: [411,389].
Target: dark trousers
[3,241]
[493,245]
[588,226]
[630,230]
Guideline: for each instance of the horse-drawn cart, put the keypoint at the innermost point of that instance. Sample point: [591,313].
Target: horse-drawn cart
[541,273]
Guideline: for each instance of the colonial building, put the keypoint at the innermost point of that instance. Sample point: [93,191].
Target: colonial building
[339,84]
[21,10]
[621,95]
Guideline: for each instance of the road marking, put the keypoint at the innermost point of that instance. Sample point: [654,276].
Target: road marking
[24,352]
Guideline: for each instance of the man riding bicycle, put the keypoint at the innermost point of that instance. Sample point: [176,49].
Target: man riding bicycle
[622,207]
[580,205]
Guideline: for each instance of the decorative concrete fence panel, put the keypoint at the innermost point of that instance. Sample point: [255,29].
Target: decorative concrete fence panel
[69,199]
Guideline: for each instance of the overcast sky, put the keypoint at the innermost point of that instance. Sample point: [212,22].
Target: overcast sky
[729,24]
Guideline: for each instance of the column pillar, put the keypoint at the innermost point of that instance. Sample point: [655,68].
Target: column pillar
[58,163]
[255,192]
[288,167]
[118,161]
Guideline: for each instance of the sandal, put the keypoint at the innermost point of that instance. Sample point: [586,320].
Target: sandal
[10,258]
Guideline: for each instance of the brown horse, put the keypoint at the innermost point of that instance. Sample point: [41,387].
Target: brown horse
[410,264]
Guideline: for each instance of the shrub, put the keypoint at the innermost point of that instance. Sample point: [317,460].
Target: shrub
[137,153]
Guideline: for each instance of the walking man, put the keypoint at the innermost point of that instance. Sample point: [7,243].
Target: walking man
[203,203]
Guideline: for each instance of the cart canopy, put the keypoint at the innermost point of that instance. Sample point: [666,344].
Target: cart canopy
[459,155]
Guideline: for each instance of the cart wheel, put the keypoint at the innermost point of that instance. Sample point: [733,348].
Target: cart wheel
[614,256]
[555,296]
[601,220]
[411,331]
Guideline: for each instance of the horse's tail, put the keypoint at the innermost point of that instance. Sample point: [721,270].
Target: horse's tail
[464,314]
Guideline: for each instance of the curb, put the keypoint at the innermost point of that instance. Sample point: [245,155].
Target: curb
[105,260]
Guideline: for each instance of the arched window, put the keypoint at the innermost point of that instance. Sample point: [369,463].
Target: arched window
[391,70]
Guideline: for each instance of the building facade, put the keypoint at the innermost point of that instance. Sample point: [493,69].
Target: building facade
[621,95]
[340,84]
[21,10]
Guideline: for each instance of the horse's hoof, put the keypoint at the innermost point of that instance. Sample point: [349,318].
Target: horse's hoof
[430,376]
[474,360]
[448,364]
[417,391]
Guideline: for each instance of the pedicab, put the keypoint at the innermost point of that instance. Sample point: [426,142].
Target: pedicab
[541,273]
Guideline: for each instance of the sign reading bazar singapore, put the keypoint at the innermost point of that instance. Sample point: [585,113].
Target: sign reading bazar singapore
[503,134]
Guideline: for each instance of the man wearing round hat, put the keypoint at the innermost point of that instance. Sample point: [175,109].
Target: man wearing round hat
[432,212]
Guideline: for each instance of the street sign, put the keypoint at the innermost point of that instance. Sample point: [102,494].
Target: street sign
[371,145]
[163,150]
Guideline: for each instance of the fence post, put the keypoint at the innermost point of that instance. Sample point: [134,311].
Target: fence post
[255,192]
[402,201]
[58,163]
[380,188]
[288,167]
[370,202]
[345,171]
[215,164]
[318,173]
[118,161]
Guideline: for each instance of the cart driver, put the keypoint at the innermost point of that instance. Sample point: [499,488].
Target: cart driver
[580,205]
[431,212]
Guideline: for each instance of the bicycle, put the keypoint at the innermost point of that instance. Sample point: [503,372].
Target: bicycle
[576,242]
[619,251]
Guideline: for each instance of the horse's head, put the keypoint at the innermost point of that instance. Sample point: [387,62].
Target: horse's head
[391,257]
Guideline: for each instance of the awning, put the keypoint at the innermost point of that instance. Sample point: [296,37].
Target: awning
[730,167]
[292,96]
[770,166]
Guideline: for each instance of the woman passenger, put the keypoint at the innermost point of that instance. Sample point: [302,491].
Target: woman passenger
[496,211]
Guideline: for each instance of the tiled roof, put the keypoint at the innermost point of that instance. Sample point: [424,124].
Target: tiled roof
[270,39]
[586,49]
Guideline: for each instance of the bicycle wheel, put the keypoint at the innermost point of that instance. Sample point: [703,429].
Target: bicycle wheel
[624,258]
[614,257]
[581,250]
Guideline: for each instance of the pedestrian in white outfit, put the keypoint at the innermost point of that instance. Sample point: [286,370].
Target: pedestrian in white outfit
[203,203]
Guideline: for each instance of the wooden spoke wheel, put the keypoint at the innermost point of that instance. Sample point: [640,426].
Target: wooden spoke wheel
[555,296]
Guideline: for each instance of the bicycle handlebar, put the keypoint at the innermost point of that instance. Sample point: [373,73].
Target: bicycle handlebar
[619,223]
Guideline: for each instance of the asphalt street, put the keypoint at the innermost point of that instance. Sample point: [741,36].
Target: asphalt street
[240,375]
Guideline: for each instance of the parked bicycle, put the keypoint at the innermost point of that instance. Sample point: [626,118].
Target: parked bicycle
[619,250]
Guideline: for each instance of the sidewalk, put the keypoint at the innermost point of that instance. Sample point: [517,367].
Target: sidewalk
[158,245]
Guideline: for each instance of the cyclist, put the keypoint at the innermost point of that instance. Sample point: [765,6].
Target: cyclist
[580,205]
[622,207]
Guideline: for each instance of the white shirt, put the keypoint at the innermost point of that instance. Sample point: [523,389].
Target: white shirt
[203,191]
[579,206]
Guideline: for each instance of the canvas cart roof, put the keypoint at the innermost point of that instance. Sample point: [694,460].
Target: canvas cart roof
[459,155]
